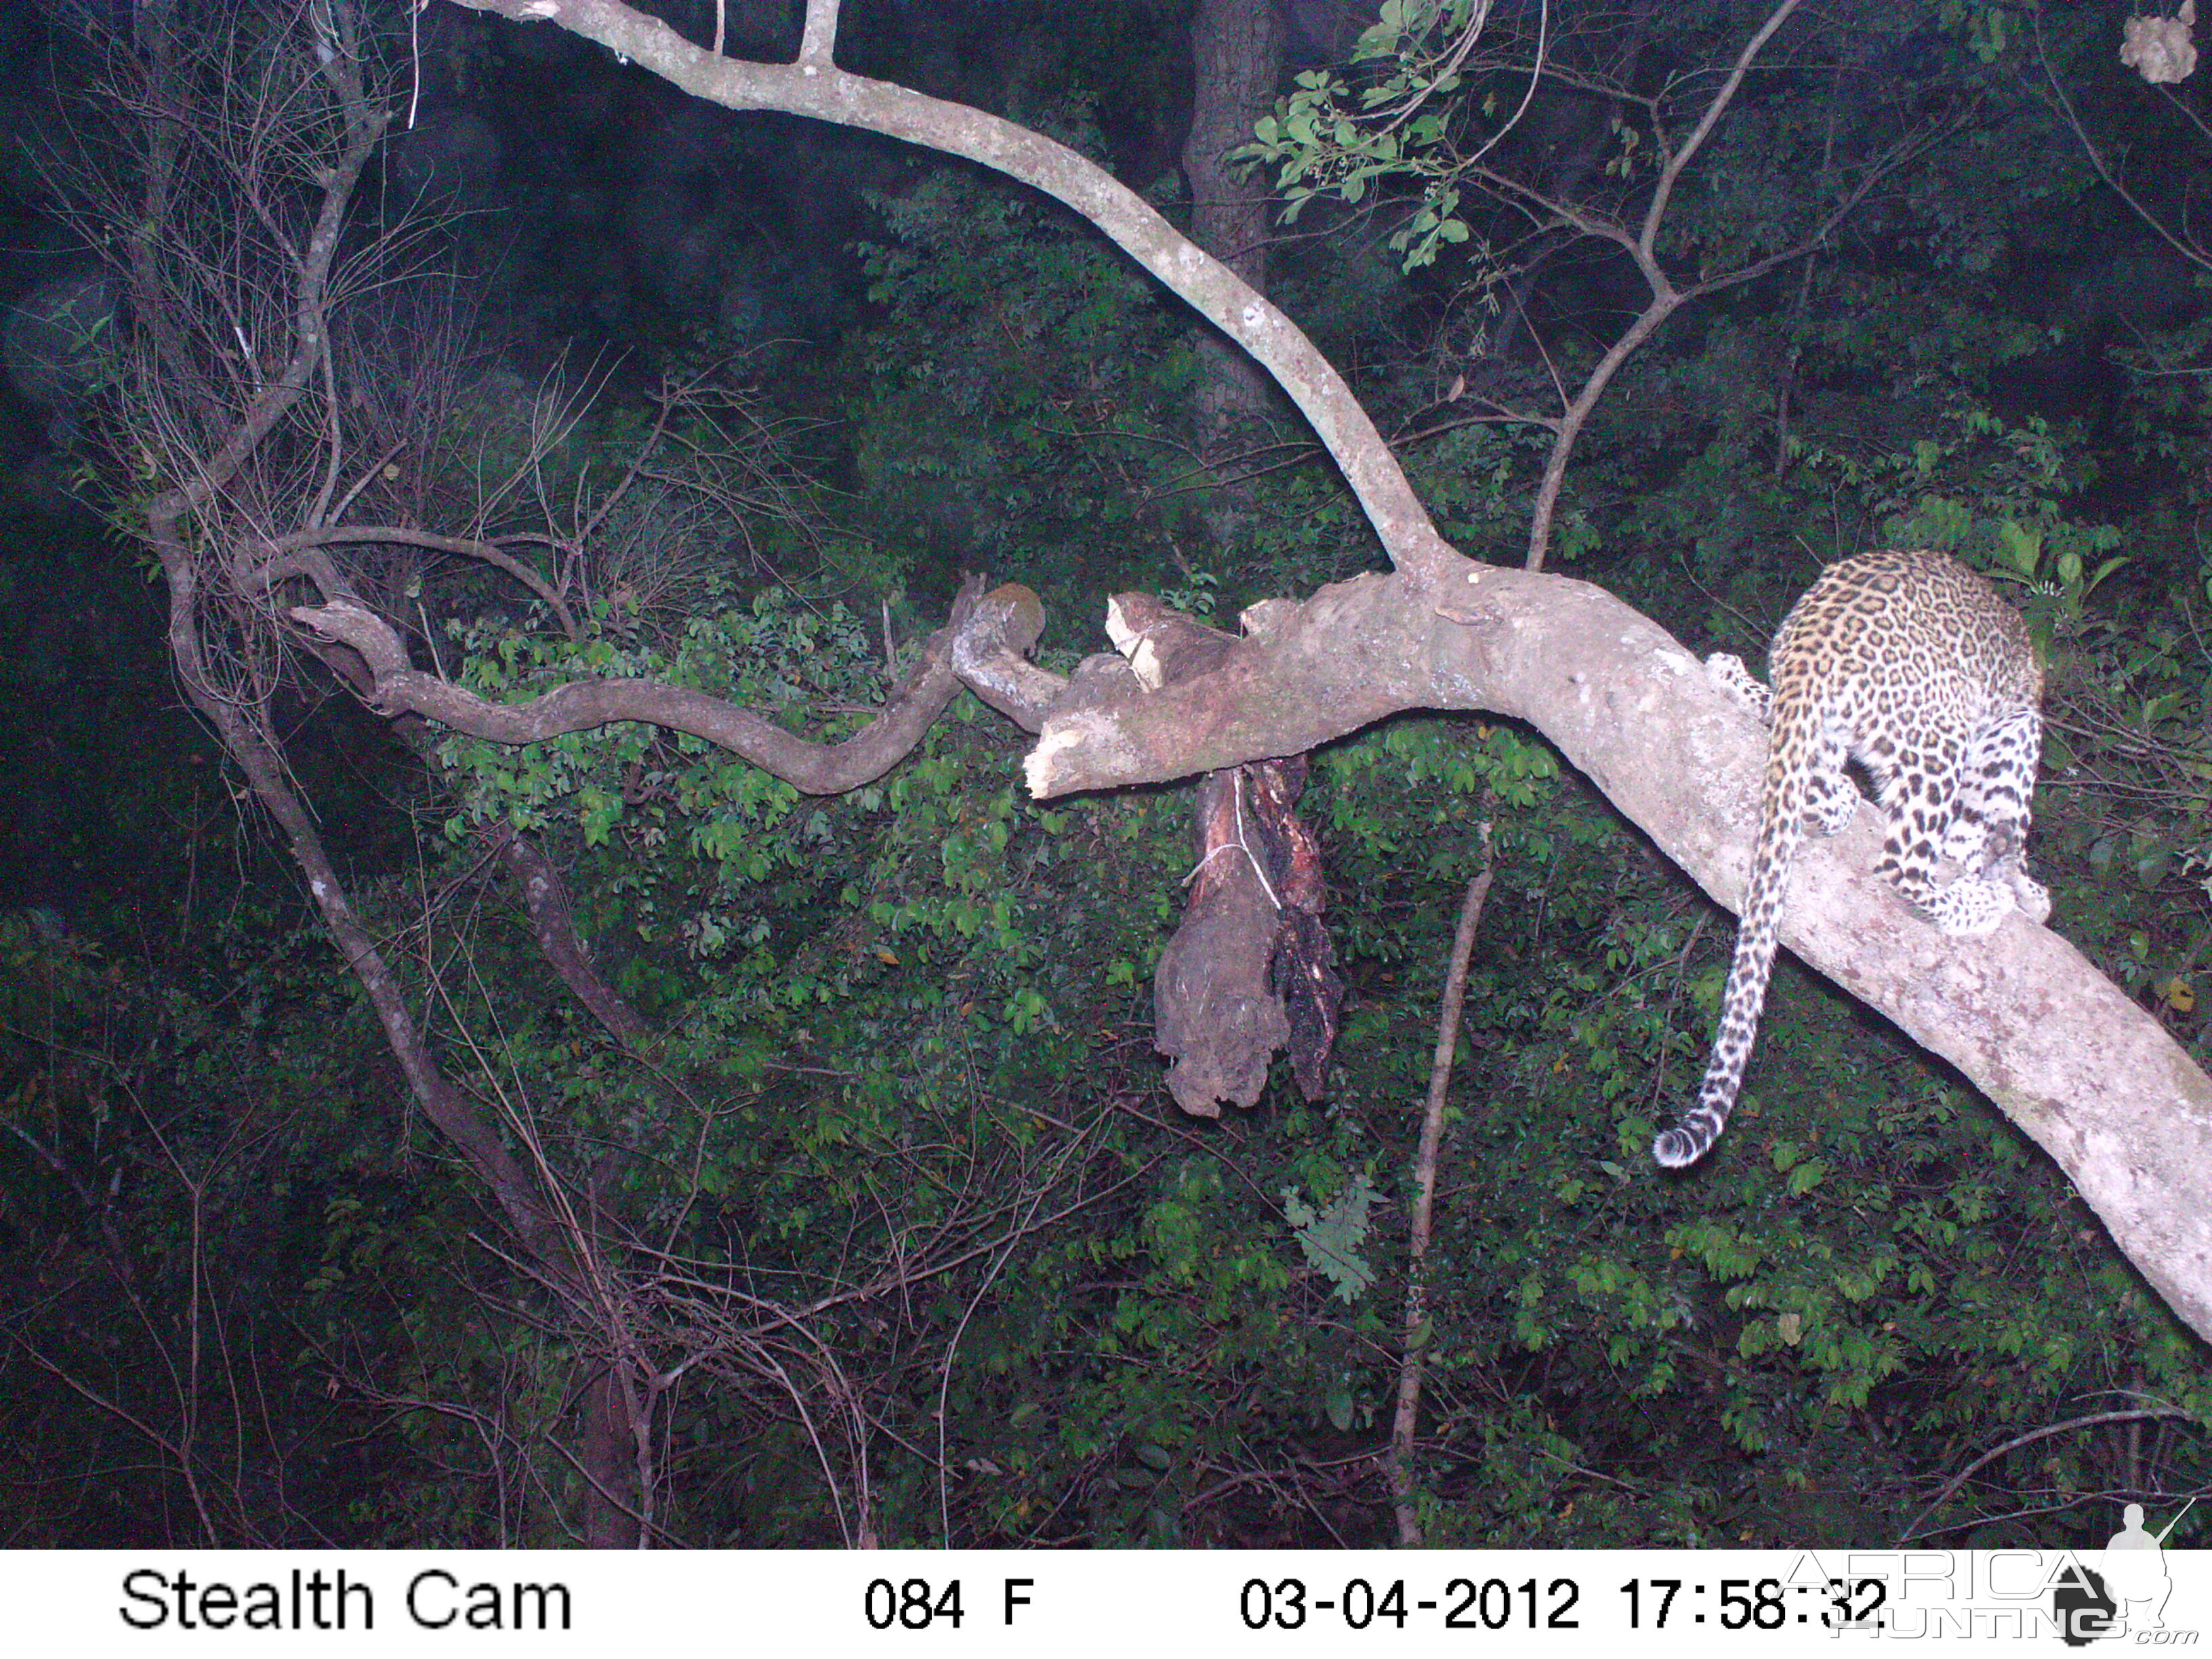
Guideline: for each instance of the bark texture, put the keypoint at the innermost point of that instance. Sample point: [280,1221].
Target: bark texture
[818,768]
[1236,57]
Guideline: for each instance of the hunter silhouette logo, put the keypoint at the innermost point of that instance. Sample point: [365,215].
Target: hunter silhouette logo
[2129,1597]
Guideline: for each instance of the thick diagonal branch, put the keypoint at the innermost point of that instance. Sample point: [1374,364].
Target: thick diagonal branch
[814,87]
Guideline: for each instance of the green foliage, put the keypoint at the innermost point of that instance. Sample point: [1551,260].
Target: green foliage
[1995,494]
[1022,407]
[1331,1237]
[1008,409]
[1327,139]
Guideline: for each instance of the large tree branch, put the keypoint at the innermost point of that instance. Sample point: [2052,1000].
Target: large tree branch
[2064,1053]
[814,87]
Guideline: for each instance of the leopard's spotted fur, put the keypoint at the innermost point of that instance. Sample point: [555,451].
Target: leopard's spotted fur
[1911,665]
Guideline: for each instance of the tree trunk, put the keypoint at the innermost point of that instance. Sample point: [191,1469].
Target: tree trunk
[1236,58]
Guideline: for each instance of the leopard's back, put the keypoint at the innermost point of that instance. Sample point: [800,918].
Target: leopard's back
[1911,665]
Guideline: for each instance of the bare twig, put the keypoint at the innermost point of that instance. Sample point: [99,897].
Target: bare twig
[1912,1528]
[1402,1485]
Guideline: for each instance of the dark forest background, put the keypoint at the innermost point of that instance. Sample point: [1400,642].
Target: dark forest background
[887,1227]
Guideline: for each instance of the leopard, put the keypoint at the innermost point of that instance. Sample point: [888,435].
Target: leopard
[1915,667]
